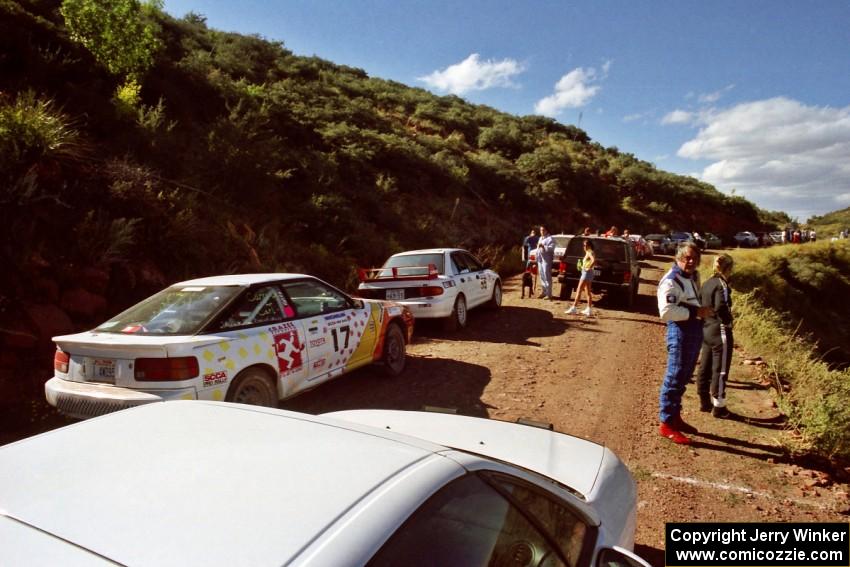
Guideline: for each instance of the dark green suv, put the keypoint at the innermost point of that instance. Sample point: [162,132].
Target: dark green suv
[617,272]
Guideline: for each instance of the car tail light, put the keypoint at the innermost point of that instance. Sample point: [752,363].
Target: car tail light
[60,361]
[562,269]
[430,291]
[532,257]
[366,293]
[627,277]
[166,369]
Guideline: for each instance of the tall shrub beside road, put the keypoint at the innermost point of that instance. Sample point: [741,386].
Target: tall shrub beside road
[790,306]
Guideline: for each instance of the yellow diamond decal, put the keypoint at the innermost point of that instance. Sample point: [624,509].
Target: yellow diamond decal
[208,355]
[224,346]
[270,354]
[230,364]
[242,352]
[258,349]
[217,395]
[264,337]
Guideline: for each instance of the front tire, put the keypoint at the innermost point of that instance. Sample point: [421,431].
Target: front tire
[496,299]
[253,386]
[458,318]
[395,357]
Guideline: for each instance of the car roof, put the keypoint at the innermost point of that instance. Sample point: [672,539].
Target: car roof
[572,461]
[197,482]
[429,251]
[241,279]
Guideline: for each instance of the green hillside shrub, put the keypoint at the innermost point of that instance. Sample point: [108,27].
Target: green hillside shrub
[792,309]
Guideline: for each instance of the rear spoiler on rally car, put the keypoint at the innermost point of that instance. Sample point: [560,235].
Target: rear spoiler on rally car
[404,273]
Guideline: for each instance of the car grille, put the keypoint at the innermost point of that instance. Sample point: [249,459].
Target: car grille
[77,407]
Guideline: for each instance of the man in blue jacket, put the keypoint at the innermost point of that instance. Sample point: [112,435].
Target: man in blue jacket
[679,305]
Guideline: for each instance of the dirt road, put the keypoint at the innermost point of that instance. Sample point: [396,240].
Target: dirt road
[598,377]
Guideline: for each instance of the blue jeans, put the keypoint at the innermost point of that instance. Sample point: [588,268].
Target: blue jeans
[545,273]
[684,340]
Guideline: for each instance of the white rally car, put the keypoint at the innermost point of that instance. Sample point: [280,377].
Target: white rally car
[439,283]
[206,483]
[253,338]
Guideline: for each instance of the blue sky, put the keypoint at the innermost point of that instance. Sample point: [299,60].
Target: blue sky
[751,96]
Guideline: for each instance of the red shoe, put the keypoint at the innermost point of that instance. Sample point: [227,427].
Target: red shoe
[673,435]
[679,423]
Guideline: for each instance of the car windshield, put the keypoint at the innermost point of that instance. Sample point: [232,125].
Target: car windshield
[177,310]
[413,261]
[602,248]
[561,241]
[655,237]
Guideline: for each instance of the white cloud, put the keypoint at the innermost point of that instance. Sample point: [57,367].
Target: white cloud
[711,98]
[678,117]
[472,74]
[573,90]
[778,153]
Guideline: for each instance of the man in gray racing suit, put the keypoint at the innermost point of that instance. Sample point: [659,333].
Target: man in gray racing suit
[545,259]
[679,305]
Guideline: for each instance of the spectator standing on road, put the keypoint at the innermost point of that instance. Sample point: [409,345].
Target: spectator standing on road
[586,231]
[529,244]
[679,305]
[613,231]
[545,259]
[584,283]
[813,236]
[717,340]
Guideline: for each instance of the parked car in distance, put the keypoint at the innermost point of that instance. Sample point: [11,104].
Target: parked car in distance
[746,239]
[206,483]
[712,241]
[680,238]
[776,237]
[438,283]
[661,243]
[253,338]
[764,238]
[561,241]
[616,273]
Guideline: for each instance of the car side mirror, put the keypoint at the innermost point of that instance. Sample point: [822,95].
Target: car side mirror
[358,303]
[619,557]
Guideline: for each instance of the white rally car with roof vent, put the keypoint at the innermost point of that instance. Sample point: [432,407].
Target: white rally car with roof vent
[206,483]
[254,338]
[438,283]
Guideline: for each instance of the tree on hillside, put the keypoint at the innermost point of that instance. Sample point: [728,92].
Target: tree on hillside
[119,33]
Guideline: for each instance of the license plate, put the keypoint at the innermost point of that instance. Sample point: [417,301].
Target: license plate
[104,370]
[395,294]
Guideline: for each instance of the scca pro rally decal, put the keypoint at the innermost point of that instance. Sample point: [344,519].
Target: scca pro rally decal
[287,347]
[214,378]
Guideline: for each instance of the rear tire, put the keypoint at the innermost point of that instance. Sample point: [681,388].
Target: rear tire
[253,386]
[458,318]
[394,358]
[566,291]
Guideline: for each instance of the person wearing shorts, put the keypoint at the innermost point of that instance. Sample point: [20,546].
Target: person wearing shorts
[584,282]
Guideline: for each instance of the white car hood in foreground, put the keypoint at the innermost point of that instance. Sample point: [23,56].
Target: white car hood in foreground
[190,483]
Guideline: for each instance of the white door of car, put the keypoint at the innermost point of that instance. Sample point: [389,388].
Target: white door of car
[482,286]
[466,278]
[260,328]
[334,329]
